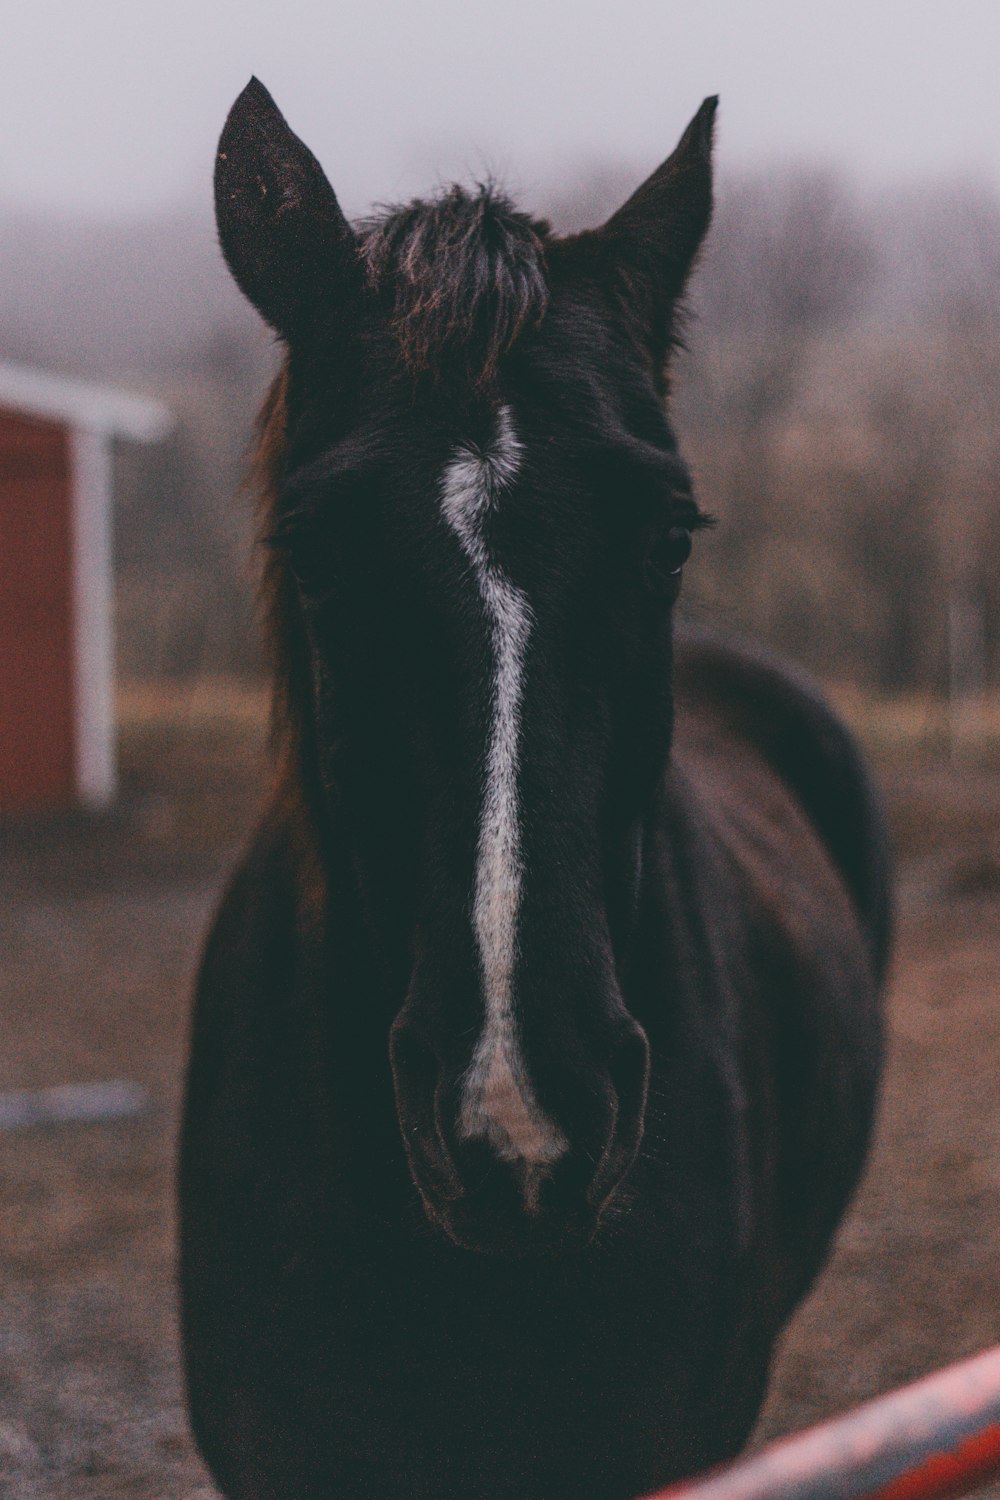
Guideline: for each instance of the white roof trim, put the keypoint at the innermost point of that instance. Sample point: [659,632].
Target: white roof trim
[82,404]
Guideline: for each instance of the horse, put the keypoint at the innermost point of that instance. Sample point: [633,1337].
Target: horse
[537,1038]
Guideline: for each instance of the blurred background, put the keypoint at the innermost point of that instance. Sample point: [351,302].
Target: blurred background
[839,401]
[839,404]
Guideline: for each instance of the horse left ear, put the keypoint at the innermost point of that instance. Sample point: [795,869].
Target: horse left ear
[282,231]
[646,250]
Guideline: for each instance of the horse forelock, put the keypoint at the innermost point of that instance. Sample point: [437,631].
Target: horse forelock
[462,275]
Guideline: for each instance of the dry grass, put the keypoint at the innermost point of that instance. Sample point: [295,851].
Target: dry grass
[922,724]
[188,702]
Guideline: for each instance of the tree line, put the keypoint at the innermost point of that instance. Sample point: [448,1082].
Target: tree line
[838,402]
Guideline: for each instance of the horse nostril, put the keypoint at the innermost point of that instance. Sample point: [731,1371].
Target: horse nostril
[628,1069]
[417,1076]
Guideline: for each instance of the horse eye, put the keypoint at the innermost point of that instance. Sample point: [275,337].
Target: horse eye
[669,554]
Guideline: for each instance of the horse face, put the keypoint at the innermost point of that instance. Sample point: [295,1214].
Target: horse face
[480,533]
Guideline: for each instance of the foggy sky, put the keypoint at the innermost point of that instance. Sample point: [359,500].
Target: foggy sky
[116,105]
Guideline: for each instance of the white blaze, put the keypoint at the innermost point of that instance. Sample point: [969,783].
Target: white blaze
[498,1103]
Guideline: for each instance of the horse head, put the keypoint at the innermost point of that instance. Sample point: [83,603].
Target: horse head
[479,523]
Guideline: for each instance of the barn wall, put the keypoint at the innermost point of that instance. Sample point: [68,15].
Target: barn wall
[37,751]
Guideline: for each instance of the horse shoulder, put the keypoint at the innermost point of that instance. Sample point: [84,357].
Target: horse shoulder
[240,1200]
[736,703]
[795,819]
[251,946]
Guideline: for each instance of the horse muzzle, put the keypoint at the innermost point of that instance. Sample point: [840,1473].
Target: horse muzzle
[499,1193]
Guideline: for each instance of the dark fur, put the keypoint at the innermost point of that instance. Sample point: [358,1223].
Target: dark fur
[369,1305]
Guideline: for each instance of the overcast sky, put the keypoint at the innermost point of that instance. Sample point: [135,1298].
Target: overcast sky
[117,104]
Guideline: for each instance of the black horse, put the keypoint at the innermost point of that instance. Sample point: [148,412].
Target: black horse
[537,1038]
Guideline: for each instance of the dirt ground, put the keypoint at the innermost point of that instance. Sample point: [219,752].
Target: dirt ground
[100,920]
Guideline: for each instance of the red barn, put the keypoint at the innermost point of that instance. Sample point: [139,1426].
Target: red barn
[57,729]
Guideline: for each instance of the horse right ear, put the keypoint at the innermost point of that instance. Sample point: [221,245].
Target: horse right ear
[644,254]
[282,231]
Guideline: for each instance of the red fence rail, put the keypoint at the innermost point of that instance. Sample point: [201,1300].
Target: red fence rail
[935,1439]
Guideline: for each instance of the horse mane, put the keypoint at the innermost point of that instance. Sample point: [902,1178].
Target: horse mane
[288,658]
[462,274]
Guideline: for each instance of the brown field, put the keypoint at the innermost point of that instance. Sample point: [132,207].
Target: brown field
[100,922]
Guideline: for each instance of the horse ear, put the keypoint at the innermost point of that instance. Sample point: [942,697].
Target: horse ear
[646,250]
[661,227]
[282,231]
